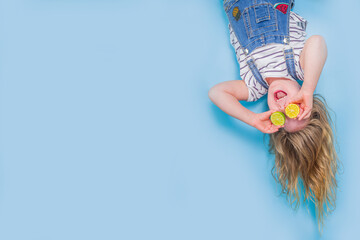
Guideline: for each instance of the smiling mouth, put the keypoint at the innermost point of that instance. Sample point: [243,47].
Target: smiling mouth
[279,95]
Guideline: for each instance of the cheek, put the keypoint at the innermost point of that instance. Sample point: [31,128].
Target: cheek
[295,89]
[270,103]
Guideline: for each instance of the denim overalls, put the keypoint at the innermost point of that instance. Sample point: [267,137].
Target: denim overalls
[259,22]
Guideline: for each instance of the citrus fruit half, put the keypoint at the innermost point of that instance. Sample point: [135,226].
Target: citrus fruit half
[277,118]
[292,110]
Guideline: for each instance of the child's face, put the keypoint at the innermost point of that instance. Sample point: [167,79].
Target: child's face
[279,91]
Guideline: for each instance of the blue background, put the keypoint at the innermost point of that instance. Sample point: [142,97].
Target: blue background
[107,131]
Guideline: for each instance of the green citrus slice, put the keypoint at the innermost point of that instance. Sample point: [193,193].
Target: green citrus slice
[277,118]
[292,110]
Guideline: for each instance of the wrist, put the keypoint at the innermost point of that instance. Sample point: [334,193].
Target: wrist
[253,120]
[307,91]
[307,88]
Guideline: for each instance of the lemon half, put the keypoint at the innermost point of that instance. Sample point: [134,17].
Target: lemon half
[292,110]
[277,118]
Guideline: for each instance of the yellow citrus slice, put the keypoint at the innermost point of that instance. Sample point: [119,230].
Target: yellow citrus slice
[277,118]
[292,110]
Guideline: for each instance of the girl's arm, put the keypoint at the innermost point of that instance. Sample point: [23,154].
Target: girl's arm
[312,60]
[226,96]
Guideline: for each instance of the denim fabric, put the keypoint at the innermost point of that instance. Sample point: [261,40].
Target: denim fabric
[290,63]
[257,23]
[256,73]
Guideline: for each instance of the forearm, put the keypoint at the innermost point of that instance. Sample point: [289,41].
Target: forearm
[230,105]
[313,61]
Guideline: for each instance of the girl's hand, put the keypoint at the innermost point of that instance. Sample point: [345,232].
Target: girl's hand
[305,99]
[262,122]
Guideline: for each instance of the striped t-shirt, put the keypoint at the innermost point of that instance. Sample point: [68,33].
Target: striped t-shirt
[270,59]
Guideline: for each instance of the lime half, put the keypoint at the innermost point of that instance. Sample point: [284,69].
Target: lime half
[277,118]
[292,110]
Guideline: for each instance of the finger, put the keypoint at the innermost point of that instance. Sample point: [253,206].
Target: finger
[265,130]
[301,116]
[308,116]
[270,127]
[278,126]
[296,99]
[274,127]
[300,113]
[272,130]
[306,112]
[303,106]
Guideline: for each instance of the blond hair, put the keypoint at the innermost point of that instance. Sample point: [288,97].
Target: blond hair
[308,158]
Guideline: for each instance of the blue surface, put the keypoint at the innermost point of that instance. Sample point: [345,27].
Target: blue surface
[107,131]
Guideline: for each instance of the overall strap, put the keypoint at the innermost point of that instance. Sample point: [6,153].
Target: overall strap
[290,65]
[290,62]
[256,73]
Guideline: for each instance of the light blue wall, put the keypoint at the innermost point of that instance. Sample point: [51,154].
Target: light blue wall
[107,131]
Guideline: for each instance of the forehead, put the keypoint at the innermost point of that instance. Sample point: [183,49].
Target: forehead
[293,125]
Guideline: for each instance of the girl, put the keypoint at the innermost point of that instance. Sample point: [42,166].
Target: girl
[270,45]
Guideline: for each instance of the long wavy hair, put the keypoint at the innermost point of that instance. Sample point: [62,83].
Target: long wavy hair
[307,159]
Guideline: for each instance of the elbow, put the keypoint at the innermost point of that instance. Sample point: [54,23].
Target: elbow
[320,42]
[318,39]
[213,93]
